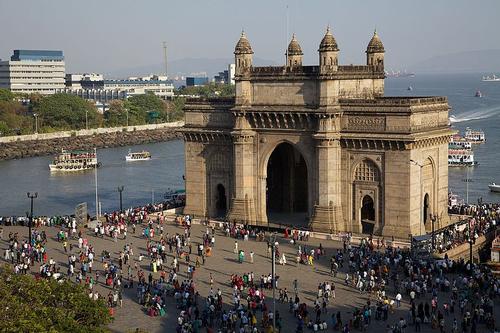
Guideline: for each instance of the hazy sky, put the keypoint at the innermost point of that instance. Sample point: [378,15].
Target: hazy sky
[108,35]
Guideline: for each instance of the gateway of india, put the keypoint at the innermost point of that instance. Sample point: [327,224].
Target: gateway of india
[318,147]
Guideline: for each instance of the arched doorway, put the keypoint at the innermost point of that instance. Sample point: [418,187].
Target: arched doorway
[286,186]
[367,215]
[426,208]
[221,201]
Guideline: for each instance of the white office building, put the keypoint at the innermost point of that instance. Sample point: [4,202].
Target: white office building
[33,71]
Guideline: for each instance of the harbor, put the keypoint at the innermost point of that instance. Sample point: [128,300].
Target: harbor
[60,192]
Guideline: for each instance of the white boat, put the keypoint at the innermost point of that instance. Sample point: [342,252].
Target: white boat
[494,187]
[139,156]
[492,78]
[474,136]
[77,160]
[461,157]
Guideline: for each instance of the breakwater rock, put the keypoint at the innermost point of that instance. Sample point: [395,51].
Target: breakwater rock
[49,146]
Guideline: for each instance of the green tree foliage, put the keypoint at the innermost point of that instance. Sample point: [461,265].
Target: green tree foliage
[6,95]
[140,105]
[210,90]
[115,115]
[15,118]
[30,305]
[65,111]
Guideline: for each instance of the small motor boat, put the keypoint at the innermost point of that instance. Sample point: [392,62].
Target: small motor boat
[494,187]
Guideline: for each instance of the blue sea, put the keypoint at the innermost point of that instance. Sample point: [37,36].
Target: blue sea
[467,111]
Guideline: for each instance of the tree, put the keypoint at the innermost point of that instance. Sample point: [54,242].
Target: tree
[6,95]
[15,118]
[30,305]
[115,115]
[140,105]
[65,111]
[209,90]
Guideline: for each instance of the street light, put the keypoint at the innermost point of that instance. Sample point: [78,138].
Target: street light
[96,196]
[120,190]
[471,240]
[421,197]
[36,122]
[273,273]
[467,180]
[31,197]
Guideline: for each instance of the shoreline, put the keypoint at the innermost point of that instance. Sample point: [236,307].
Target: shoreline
[18,147]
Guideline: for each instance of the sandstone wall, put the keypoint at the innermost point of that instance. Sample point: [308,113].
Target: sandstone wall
[48,146]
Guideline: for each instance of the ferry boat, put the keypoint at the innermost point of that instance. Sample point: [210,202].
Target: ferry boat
[139,156]
[492,78]
[457,142]
[77,160]
[494,187]
[474,136]
[461,157]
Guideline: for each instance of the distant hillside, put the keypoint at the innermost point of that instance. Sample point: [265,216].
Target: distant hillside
[186,66]
[471,61]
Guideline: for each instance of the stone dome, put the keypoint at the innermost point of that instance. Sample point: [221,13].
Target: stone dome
[375,45]
[294,47]
[328,43]
[243,45]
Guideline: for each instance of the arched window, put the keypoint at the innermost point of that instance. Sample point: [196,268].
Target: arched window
[331,61]
[367,171]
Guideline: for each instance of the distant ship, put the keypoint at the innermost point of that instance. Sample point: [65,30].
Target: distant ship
[478,94]
[139,156]
[77,160]
[398,74]
[474,136]
[410,88]
[492,78]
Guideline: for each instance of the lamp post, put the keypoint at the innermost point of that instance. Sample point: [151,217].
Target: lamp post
[421,197]
[31,197]
[471,237]
[273,273]
[96,197]
[467,180]
[120,190]
[36,122]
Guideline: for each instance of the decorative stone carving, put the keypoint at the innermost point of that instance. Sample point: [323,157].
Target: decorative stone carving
[366,123]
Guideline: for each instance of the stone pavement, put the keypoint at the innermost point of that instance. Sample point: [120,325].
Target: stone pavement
[222,264]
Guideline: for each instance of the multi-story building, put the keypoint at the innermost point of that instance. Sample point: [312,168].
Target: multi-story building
[196,81]
[95,87]
[227,76]
[33,71]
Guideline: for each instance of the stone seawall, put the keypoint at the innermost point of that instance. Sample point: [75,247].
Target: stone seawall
[48,146]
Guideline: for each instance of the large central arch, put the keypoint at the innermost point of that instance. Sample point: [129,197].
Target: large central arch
[286,186]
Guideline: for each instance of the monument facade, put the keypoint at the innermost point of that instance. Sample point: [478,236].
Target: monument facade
[319,147]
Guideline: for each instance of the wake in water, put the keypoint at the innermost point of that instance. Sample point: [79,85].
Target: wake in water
[480,113]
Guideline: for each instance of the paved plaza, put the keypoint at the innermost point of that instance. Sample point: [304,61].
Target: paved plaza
[221,264]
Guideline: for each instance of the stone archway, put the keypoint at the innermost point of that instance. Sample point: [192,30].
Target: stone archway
[367,215]
[287,194]
[221,201]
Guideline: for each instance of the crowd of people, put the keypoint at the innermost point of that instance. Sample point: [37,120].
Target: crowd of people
[449,295]
[481,219]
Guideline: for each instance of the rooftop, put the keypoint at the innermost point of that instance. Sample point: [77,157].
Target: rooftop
[37,55]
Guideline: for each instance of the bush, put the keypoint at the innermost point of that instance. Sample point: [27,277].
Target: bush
[30,305]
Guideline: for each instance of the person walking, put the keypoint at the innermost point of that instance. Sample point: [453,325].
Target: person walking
[251,257]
